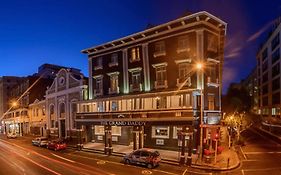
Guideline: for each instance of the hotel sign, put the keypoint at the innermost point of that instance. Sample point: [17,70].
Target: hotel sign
[123,123]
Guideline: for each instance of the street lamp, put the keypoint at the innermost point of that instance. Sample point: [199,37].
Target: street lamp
[199,67]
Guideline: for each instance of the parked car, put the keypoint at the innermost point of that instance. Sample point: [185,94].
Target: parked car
[40,141]
[147,157]
[56,145]
[11,135]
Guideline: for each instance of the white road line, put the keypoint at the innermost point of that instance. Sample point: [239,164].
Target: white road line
[186,171]
[271,152]
[166,172]
[264,169]
[242,172]
[63,158]
[253,160]
[243,153]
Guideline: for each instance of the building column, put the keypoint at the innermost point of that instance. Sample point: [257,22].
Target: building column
[141,137]
[146,72]
[107,140]
[182,138]
[125,72]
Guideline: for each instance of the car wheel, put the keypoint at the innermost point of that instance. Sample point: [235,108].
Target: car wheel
[127,161]
[149,166]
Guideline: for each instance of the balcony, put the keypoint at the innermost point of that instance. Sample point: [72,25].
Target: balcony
[161,84]
[113,91]
[213,82]
[159,53]
[135,87]
[98,92]
[112,64]
[186,81]
[183,49]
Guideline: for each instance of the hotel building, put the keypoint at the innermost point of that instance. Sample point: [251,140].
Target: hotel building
[144,89]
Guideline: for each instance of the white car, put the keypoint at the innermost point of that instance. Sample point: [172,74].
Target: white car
[11,135]
[40,141]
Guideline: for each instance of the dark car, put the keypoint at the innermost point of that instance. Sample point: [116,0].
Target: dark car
[56,145]
[40,141]
[147,157]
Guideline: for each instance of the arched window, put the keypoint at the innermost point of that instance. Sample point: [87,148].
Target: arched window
[73,113]
[52,116]
[62,110]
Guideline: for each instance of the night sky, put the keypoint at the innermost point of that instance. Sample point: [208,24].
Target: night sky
[34,32]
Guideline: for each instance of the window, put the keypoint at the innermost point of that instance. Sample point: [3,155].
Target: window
[135,83]
[264,54]
[276,70]
[276,84]
[184,74]
[161,75]
[160,132]
[265,89]
[114,60]
[212,43]
[52,111]
[99,85]
[116,130]
[135,54]
[114,106]
[183,44]
[159,49]
[62,110]
[98,63]
[73,111]
[276,98]
[276,56]
[99,130]
[275,42]
[114,88]
[265,66]
[211,102]
[265,78]
[265,101]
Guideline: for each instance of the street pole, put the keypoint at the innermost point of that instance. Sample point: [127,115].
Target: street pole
[201,115]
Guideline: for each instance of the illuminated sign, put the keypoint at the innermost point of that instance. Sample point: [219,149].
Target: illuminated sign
[123,123]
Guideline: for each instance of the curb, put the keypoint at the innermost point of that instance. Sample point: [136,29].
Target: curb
[166,161]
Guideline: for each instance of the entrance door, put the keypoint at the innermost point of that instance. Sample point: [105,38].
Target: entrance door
[62,128]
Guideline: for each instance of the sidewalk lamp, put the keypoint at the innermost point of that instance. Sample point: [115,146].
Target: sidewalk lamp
[199,67]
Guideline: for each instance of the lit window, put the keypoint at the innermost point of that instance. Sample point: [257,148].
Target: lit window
[135,54]
[211,102]
[99,130]
[183,44]
[114,88]
[135,83]
[159,49]
[114,60]
[161,75]
[160,131]
[98,90]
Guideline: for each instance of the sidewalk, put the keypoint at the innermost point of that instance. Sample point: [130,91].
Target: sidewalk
[227,160]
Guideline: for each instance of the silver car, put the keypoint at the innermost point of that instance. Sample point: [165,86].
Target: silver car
[147,157]
[40,141]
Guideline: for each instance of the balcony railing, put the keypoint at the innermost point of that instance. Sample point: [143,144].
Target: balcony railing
[213,81]
[135,87]
[159,53]
[98,92]
[113,91]
[186,81]
[161,84]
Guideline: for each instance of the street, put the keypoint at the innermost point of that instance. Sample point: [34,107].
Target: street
[259,156]
[18,156]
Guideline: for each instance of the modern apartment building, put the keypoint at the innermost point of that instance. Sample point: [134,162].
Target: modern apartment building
[268,73]
[144,89]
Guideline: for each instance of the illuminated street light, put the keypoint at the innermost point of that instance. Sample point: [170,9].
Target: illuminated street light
[199,67]
[14,104]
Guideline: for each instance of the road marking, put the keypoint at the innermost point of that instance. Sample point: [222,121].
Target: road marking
[243,153]
[265,169]
[253,160]
[146,172]
[186,170]
[101,162]
[242,172]
[63,158]
[166,172]
[271,152]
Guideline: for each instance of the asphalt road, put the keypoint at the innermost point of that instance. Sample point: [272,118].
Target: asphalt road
[18,156]
[260,155]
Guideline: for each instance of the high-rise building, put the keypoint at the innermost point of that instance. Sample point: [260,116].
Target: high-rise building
[268,74]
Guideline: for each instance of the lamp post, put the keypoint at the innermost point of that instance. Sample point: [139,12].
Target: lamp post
[199,67]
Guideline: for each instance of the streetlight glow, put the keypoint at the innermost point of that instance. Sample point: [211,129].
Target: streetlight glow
[199,66]
[14,104]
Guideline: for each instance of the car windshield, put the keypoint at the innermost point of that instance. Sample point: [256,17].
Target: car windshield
[155,154]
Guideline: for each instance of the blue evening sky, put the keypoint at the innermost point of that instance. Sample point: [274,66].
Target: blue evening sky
[34,32]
